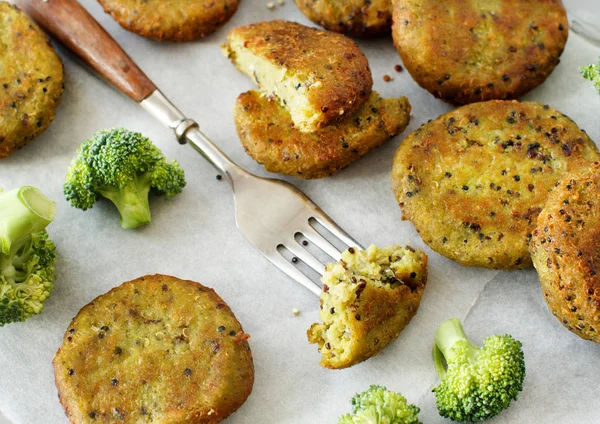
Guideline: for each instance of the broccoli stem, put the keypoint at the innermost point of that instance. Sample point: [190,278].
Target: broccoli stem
[23,211]
[447,335]
[131,201]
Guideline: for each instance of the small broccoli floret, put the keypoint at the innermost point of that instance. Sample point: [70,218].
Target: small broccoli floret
[592,73]
[122,166]
[476,383]
[378,405]
[27,256]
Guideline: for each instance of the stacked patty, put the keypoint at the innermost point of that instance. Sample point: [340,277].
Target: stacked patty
[316,112]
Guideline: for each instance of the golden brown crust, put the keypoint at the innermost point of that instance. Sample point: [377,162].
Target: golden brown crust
[467,51]
[474,180]
[173,20]
[333,60]
[566,252]
[266,131]
[155,349]
[353,17]
[31,80]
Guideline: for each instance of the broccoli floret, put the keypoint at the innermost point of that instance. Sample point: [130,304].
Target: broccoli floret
[592,73]
[378,405]
[476,383]
[122,166]
[27,256]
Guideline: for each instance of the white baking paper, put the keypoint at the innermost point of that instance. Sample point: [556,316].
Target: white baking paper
[193,236]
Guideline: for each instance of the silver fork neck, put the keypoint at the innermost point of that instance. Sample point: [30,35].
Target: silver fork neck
[188,131]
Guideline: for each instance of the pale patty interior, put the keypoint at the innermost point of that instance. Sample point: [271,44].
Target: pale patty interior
[282,83]
[345,280]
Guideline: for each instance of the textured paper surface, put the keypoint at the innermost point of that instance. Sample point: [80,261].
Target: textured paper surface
[193,236]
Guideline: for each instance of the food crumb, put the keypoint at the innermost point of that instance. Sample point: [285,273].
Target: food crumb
[398,68]
[271,5]
[387,78]
[295,312]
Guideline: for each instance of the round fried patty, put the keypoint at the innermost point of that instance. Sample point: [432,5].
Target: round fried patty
[466,51]
[325,76]
[31,80]
[268,135]
[155,349]
[566,252]
[173,20]
[353,17]
[474,180]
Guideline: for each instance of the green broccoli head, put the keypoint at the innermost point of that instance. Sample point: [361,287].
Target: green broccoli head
[27,255]
[476,383]
[378,405]
[122,166]
[592,73]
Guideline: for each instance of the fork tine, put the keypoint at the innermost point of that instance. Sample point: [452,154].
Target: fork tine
[336,230]
[312,234]
[293,246]
[282,263]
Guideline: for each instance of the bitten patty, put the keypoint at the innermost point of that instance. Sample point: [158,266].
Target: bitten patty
[173,20]
[31,80]
[352,17]
[467,51]
[268,135]
[155,349]
[368,297]
[474,180]
[318,76]
[566,252]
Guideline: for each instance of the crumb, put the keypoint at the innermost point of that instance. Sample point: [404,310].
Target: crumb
[295,312]
[398,68]
[271,5]
[387,78]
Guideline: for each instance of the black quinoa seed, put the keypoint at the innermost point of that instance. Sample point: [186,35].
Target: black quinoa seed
[71,372]
[221,328]
[187,372]
[118,350]
[114,382]
[332,311]
[92,414]
[465,188]
[357,316]
[232,333]
[351,250]
[413,274]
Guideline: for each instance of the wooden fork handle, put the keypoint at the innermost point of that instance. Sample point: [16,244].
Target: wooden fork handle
[73,26]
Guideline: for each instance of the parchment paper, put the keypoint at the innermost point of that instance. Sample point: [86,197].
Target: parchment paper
[193,236]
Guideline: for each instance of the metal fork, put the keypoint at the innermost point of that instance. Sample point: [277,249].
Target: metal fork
[270,213]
